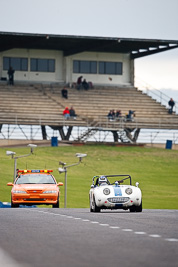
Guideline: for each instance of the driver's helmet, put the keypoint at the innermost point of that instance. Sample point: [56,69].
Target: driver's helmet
[102,180]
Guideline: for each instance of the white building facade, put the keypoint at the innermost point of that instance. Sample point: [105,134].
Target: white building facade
[51,66]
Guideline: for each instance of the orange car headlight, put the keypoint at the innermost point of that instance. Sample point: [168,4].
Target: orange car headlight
[50,192]
[19,192]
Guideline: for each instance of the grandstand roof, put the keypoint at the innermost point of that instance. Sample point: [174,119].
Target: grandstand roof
[76,44]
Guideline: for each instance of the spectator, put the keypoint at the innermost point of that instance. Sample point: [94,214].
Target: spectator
[11,75]
[111,115]
[118,114]
[64,93]
[79,82]
[171,103]
[85,85]
[130,116]
[90,85]
[66,113]
[72,113]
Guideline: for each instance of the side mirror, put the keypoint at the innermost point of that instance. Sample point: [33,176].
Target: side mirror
[60,184]
[10,184]
[92,186]
[137,184]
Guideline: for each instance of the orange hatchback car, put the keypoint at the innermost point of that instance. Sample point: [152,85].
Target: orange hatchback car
[35,187]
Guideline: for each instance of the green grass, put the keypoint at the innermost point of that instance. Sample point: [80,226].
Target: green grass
[155,169]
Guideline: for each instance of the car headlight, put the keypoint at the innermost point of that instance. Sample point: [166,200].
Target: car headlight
[106,191]
[50,192]
[128,191]
[19,192]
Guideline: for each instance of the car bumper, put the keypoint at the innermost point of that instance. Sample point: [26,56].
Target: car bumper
[34,199]
[120,204]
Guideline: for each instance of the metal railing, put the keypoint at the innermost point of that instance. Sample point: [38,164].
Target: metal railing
[155,93]
[29,132]
[121,123]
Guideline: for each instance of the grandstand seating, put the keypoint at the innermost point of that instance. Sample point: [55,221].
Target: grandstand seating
[28,105]
[93,106]
[43,105]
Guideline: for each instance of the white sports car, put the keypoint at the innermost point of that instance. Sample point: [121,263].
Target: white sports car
[106,195]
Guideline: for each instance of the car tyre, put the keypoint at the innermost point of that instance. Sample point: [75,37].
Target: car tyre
[96,208]
[139,208]
[91,209]
[132,209]
[57,204]
[14,205]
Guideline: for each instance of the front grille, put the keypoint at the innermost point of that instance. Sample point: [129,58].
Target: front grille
[118,200]
[34,199]
[34,191]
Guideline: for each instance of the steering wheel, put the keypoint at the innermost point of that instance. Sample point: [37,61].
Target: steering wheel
[119,182]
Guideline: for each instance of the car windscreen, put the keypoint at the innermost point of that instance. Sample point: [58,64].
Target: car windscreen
[35,179]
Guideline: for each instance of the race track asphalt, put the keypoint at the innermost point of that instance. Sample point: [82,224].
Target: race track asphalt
[75,237]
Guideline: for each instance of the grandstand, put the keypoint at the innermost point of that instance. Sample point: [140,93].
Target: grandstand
[44,63]
[43,105]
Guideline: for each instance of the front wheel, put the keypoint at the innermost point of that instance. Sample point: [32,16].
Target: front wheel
[136,208]
[57,204]
[91,209]
[14,205]
[139,208]
[133,209]
[96,208]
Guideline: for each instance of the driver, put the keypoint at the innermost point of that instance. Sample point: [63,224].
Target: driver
[102,180]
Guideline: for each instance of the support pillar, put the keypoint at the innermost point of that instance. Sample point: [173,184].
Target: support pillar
[136,134]
[43,130]
[133,138]
[69,132]
[61,131]
[115,135]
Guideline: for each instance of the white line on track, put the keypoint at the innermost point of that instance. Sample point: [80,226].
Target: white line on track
[102,224]
[155,235]
[171,239]
[140,233]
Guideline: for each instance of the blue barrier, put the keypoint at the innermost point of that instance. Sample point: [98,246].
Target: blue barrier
[8,205]
[5,205]
[26,206]
[168,144]
[54,141]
